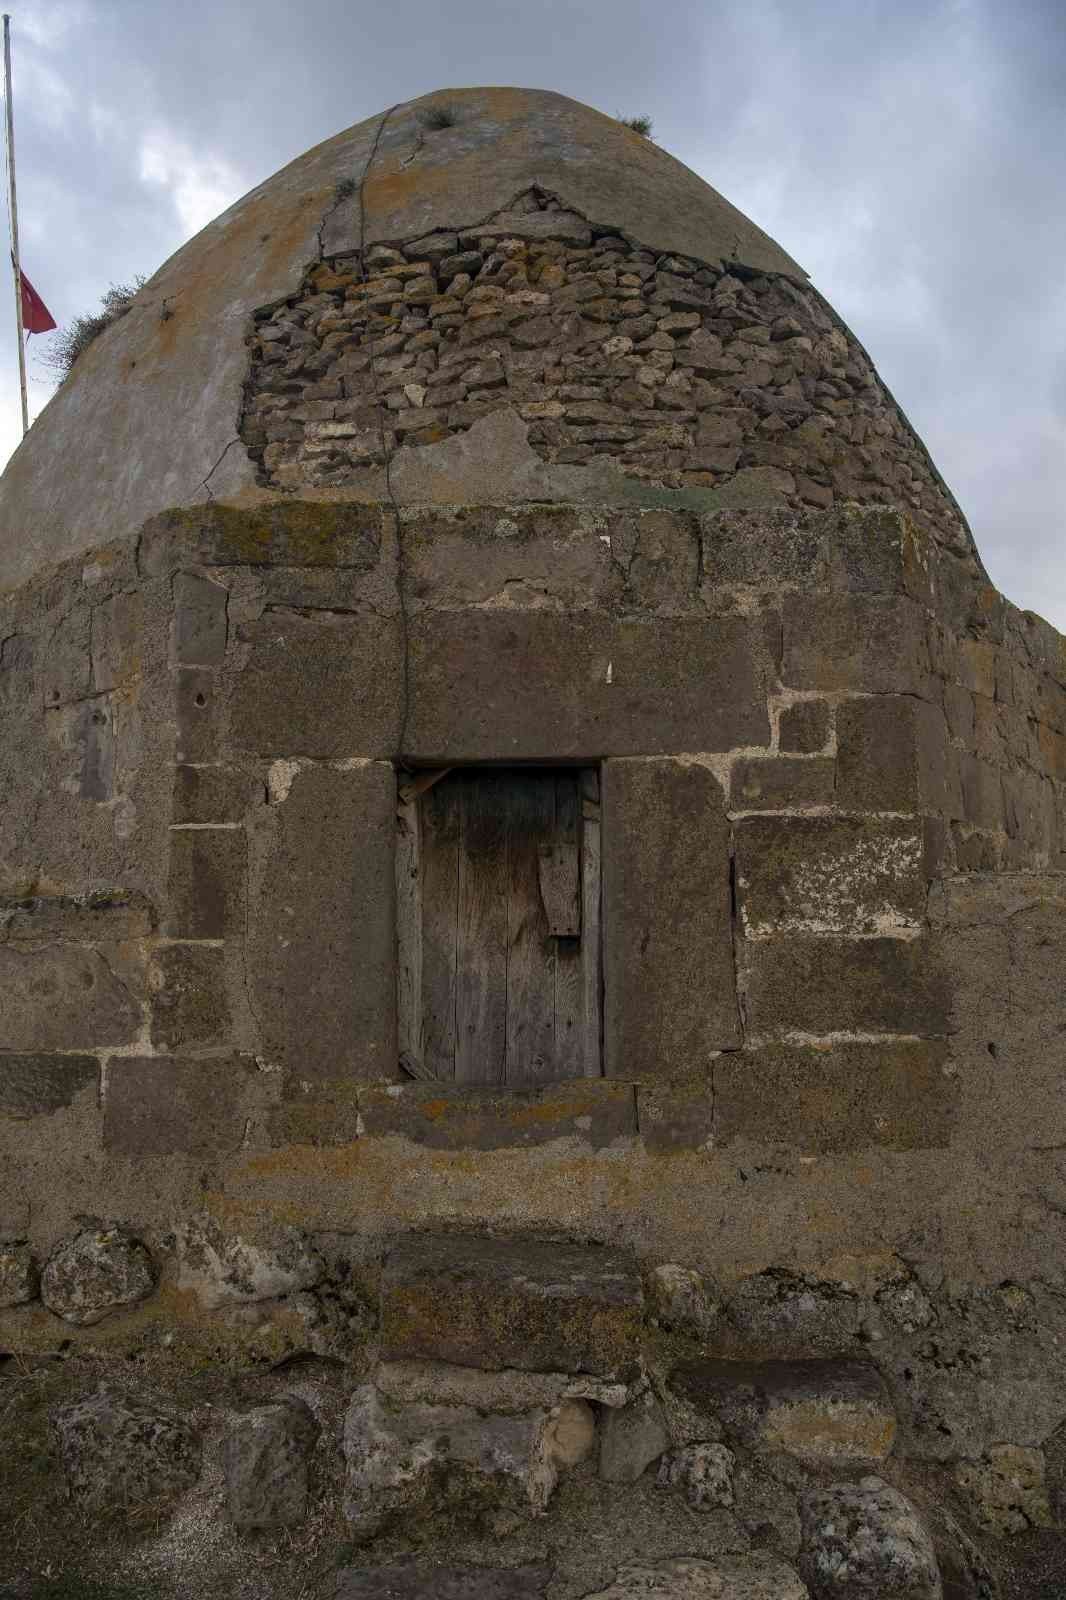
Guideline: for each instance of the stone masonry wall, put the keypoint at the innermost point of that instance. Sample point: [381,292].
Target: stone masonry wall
[833,711]
[679,375]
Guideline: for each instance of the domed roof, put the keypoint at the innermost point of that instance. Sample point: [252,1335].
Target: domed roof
[164,409]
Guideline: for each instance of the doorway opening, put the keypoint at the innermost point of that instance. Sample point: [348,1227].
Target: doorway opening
[498,879]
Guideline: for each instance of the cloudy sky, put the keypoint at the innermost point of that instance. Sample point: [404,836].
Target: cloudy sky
[909,153]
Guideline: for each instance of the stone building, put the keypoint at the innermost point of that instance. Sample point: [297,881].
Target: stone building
[531,874]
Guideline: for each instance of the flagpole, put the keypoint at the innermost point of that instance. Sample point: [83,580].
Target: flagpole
[15,266]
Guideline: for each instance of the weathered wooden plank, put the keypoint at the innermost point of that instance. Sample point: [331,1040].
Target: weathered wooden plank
[439,818]
[530,950]
[558,870]
[591,941]
[481,967]
[569,956]
[409,940]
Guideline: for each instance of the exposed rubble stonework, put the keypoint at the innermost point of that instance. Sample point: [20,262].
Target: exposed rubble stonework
[532,920]
[679,374]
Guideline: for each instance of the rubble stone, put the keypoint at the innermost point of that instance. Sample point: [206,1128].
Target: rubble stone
[97,1271]
[425,1456]
[1006,1489]
[632,1438]
[225,1269]
[703,1472]
[266,1458]
[682,1299]
[19,1278]
[119,1454]
[865,1541]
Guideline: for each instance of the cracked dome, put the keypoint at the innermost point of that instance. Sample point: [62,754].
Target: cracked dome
[483,295]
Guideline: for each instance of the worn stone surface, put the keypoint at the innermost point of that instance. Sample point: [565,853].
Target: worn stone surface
[325,859]
[668,965]
[189,1000]
[803,727]
[199,620]
[63,997]
[632,1438]
[900,1095]
[509,1391]
[19,1277]
[1006,1489]
[778,783]
[417,1458]
[412,1580]
[118,1454]
[828,985]
[451,1116]
[176,1105]
[870,644]
[754,1576]
[96,1272]
[214,794]
[207,884]
[37,1085]
[266,1460]
[824,1412]
[829,875]
[702,1472]
[865,1541]
[537,1305]
[893,755]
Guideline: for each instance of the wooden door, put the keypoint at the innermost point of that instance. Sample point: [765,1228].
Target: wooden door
[499,893]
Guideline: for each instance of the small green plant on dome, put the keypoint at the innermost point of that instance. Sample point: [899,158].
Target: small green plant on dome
[73,341]
[641,125]
[433,118]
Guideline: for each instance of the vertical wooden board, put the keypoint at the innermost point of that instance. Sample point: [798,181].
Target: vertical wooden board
[439,818]
[530,950]
[591,943]
[409,938]
[481,965]
[570,954]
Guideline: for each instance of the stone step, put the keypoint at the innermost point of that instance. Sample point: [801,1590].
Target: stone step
[499,1302]
[823,1411]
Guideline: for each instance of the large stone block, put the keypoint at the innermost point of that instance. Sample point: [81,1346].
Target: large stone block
[196,714]
[455,1116]
[63,997]
[536,1305]
[166,1105]
[892,755]
[321,685]
[830,875]
[323,926]
[866,1541]
[832,985]
[37,1085]
[839,642]
[207,883]
[826,1412]
[897,1095]
[281,533]
[539,685]
[189,1004]
[669,987]
[778,783]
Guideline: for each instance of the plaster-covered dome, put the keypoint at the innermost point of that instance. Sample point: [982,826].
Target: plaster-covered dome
[481,295]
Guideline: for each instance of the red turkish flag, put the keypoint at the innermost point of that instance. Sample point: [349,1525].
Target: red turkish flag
[36,317]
